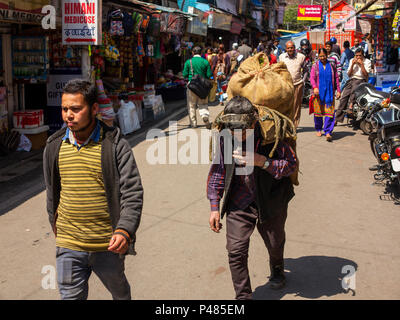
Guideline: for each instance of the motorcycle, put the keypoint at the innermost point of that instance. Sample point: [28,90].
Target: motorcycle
[385,142]
[366,98]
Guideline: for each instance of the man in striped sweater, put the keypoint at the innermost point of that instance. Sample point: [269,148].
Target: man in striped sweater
[94,197]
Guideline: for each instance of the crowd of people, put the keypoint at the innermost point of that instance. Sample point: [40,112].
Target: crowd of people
[95,219]
[321,77]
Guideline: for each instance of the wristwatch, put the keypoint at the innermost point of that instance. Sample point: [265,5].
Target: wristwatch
[266,164]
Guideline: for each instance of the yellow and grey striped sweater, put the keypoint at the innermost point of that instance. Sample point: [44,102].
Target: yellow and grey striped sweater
[83,222]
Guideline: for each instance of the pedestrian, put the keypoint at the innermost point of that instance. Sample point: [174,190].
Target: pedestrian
[393,58]
[364,45]
[244,49]
[197,65]
[278,50]
[324,80]
[94,196]
[335,46]
[356,45]
[333,57]
[233,58]
[259,198]
[358,72]
[297,66]
[347,55]
[221,69]
[269,48]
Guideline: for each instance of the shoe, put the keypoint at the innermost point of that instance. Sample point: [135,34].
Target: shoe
[221,103]
[328,138]
[277,280]
[319,134]
[207,123]
[335,123]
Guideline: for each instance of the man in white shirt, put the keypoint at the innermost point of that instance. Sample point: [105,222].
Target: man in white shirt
[358,72]
[297,66]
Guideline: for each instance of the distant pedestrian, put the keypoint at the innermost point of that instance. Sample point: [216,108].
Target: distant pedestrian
[94,196]
[278,50]
[297,66]
[197,65]
[333,57]
[244,49]
[335,46]
[347,55]
[325,81]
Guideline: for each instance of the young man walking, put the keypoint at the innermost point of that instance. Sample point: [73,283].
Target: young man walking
[197,65]
[258,198]
[94,197]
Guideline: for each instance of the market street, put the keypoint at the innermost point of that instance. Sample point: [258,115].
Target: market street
[337,221]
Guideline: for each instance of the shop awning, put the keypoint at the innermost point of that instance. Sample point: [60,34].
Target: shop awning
[161,8]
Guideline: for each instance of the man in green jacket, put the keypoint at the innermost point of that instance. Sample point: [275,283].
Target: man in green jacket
[201,67]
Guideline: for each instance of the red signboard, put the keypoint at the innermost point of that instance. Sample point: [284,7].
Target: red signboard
[312,13]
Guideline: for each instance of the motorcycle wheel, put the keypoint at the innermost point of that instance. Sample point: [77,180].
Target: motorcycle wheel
[366,127]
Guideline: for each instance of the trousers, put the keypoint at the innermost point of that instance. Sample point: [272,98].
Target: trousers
[193,102]
[298,99]
[347,97]
[75,267]
[240,225]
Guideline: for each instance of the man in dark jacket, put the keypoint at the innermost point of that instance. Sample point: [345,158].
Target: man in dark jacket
[94,196]
[257,197]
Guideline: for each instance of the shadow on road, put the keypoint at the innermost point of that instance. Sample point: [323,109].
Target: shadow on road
[342,134]
[310,277]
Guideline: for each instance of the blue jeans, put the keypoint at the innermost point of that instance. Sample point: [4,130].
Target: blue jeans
[344,80]
[220,83]
[75,267]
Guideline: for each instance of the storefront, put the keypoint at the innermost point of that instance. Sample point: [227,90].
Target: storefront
[385,44]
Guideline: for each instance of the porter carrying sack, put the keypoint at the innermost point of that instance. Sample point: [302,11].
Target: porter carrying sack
[199,85]
[270,89]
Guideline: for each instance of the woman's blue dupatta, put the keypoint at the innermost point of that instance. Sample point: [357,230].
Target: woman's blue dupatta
[325,84]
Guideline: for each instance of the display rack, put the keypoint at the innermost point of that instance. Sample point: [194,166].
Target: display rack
[30,60]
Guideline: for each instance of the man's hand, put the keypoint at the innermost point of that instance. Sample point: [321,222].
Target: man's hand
[316,91]
[337,95]
[118,244]
[245,159]
[215,223]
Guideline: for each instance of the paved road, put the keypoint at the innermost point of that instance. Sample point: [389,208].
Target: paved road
[337,219]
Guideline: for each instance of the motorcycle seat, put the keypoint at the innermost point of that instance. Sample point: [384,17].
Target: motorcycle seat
[395,98]
[369,89]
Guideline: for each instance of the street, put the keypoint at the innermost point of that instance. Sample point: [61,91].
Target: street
[339,225]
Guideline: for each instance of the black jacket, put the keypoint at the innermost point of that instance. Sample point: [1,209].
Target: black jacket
[272,195]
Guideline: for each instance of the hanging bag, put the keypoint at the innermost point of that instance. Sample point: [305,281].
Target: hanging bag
[199,85]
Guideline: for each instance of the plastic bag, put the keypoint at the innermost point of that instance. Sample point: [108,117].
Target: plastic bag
[128,118]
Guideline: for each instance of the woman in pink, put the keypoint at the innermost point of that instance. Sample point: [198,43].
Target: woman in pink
[324,79]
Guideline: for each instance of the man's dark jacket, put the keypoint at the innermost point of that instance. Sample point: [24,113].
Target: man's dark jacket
[272,195]
[121,178]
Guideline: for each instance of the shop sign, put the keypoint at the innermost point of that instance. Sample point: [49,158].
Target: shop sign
[55,88]
[22,11]
[196,26]
[220,21]
[20,16]
[237,26]
[81,22]
[337,17]
[372,10]
[227,5]
[309,13]
[172,23]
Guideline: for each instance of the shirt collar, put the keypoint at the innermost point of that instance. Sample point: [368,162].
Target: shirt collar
[95,136]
